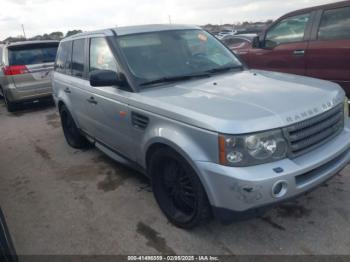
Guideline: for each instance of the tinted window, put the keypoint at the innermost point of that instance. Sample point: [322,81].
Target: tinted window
[78,57]
[32,54]
[64,58]
[291,29]
[101,57]
[1,49]
[335,24]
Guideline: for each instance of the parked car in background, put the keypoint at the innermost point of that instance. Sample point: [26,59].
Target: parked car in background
[239,43]
[214,137]
[26,68]
[312,42]
[1,72]
[226,32]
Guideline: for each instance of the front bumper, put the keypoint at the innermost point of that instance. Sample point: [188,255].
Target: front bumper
[247,188]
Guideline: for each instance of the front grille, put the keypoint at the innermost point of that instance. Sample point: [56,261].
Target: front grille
[309,134]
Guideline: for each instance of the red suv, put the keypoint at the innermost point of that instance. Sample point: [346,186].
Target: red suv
[313,42]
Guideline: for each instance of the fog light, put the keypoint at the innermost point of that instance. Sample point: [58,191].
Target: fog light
[279,189]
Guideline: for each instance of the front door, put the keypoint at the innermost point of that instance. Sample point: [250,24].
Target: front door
[284,47]
[112,121]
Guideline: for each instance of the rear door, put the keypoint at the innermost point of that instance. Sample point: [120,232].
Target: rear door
[284,46]
[79,90]
[30,65]
[328,55]
[71,84]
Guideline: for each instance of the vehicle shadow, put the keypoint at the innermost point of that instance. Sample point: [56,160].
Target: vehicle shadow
[27,108]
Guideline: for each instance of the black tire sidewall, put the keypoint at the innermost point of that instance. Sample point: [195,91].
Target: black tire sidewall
[75,139]
[202,209]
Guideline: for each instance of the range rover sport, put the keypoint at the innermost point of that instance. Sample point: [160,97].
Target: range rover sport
[214,137]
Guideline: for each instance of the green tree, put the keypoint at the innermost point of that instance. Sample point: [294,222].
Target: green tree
[56,35]
[73,32]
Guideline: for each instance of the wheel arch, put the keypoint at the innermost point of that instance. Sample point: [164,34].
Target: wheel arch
[60,103]
[161,142]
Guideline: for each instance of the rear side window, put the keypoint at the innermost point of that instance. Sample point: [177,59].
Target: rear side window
[78,57]
[32,54]
[64,58]
[335,24]
[289,30]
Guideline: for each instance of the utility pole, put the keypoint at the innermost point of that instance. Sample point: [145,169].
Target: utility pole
[24,33]
[169,19]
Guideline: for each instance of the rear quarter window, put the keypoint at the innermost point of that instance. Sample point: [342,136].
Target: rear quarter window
[32,54]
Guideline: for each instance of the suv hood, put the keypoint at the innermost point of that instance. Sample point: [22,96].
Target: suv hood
[243,102]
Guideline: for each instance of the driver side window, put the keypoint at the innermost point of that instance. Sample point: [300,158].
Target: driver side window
[289,30]
[101,57]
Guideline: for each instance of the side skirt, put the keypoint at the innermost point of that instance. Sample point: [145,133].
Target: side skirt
[116,156]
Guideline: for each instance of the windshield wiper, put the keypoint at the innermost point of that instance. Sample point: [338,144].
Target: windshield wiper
[175,78]
[223,69]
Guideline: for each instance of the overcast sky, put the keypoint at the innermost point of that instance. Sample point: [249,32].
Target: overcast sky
[45,16]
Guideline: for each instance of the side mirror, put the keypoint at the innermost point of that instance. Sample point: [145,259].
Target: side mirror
[106,78]
[256,43]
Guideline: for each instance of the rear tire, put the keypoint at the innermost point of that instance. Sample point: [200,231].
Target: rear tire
[71,132]
[10,106]
[178,190]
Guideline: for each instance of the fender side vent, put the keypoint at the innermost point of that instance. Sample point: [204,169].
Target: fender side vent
[139,121]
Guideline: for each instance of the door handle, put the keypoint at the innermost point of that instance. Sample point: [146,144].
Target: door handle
[92,100]
[67,90]
[299,52]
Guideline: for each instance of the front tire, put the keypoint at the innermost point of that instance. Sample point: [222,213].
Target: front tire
[178,190]
[71,132]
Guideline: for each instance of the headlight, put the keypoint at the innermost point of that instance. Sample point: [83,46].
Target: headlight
[252,149]
[346,109]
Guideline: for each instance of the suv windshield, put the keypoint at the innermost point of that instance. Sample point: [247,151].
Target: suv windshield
[166,55]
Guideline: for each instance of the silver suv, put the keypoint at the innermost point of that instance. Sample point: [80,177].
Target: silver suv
[214,137]
[25,71]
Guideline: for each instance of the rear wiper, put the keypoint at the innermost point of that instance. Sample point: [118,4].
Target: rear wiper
[222,69]
[175,78]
